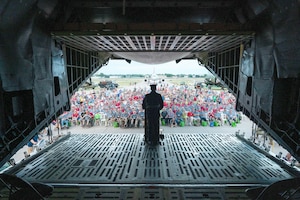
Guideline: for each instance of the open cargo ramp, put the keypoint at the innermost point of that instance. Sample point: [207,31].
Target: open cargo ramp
[116,164]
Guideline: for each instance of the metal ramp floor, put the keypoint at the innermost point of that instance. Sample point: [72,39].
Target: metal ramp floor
[121,166]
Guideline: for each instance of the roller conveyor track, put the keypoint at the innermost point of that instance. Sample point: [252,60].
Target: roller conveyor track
[185,165]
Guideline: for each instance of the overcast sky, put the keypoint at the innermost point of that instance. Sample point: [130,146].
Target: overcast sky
[183,67]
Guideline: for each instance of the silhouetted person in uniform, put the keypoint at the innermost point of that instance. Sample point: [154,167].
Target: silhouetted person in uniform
[152,103]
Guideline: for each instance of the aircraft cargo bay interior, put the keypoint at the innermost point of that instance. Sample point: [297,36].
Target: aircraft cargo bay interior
[50,49]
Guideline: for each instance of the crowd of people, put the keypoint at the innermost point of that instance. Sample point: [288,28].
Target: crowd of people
[122,107]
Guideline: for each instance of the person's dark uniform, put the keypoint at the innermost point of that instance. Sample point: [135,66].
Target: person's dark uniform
[152,103]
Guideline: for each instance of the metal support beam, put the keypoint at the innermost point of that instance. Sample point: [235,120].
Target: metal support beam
[70,29]
[81,65]
[167,4]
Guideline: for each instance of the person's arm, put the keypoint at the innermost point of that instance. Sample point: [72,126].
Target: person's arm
[144,103]
[161,103]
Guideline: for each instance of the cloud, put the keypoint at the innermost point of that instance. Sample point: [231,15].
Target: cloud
[184,67]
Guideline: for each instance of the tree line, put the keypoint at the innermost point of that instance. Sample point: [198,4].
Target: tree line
[102,75]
